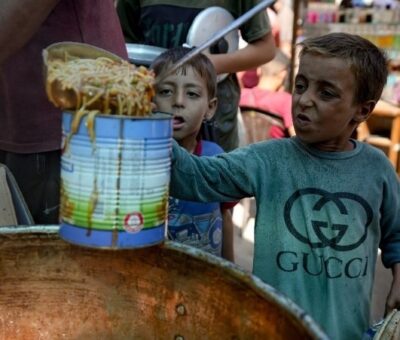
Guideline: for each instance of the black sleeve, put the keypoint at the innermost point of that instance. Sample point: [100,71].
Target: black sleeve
[129,17]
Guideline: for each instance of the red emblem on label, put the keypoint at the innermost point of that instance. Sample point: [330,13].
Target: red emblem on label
[133,223]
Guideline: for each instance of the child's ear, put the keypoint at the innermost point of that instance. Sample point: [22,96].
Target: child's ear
[365,111]
[212,107]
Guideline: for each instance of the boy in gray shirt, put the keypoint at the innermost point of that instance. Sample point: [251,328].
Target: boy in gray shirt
[325,202]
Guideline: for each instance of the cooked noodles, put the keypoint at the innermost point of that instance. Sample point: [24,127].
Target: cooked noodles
[101,85]
[111,87]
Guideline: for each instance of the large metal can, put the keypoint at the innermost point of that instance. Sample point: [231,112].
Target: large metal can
[51,289]
[114,180]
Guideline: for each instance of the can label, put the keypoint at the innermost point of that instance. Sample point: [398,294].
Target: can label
[133,222]
[119,182]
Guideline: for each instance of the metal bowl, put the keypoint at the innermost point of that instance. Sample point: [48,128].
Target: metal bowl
[61,96]
[51,290]
[143,54]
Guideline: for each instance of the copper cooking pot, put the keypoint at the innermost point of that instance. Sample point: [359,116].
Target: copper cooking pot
[53,290]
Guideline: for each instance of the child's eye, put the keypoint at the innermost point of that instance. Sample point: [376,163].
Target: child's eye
[192,94]
[299,88]
[327,94]
[164,92]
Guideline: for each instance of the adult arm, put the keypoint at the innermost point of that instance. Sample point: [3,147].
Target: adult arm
[256,53]
[19,21]
[393,299]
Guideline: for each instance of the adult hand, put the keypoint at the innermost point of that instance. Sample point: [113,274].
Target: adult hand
[253,55]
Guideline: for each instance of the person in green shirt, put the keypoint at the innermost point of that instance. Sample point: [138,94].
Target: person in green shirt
[325,201]
[166,24]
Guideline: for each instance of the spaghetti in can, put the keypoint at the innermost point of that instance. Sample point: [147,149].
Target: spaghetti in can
[116,152]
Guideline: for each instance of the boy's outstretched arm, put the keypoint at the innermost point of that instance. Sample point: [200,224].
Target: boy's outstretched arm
[220,178]
[393,299]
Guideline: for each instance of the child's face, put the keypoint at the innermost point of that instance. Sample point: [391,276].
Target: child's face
[185,95]
[324,113]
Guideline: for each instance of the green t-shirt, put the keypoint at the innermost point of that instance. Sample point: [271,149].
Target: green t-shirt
[320,219]
[166,23]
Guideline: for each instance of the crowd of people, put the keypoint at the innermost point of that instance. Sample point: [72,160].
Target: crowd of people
[325,201]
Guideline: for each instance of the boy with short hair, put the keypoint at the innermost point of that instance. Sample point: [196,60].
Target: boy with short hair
[325,202]
[190,94]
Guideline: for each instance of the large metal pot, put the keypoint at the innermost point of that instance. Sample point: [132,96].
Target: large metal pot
[51,289]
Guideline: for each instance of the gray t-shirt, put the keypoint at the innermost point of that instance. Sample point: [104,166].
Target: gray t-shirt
[320,219]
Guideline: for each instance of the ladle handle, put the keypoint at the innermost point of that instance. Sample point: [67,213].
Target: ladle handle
[218,35]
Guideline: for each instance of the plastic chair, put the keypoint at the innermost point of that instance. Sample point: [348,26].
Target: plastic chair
[382,130]
[22,212]
[258,123]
